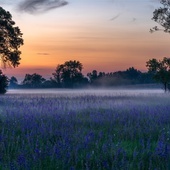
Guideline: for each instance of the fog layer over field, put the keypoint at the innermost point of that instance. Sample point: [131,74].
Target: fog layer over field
[100,92]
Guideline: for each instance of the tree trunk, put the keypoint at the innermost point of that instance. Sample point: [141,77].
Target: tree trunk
[165,87]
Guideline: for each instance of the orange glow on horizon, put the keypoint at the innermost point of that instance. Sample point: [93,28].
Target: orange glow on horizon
[86,32]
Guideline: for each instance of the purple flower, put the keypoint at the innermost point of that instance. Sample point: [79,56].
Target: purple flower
[21,159]
[163,147]
[12,166]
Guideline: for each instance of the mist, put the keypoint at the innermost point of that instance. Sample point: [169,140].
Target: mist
[84,92]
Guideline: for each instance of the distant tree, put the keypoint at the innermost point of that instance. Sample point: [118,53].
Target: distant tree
[118,74]
[13,82]
[49,84]
[132,73]
[3,83]
[33,80]
[162,16]
[10,39]
[58,75]
[93,76]
[147,78]
[69,74]
[101,74]
[160,70]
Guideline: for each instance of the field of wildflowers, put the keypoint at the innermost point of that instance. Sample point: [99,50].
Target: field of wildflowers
[85,131]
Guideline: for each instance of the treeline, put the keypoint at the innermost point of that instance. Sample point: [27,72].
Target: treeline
[69,75]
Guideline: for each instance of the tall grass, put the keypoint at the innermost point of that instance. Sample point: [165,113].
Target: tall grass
[85,131]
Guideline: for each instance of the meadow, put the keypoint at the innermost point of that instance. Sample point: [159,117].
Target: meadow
[85,130]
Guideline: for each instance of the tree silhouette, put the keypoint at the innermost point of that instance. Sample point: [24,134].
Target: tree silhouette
[132,73]
[92,76]
[160,70]
[10,40]
[69,74]
[33,80]
[162,16]
[13,82]
[3,83]
[58,75]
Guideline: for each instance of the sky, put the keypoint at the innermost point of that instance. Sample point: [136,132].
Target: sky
[105,35]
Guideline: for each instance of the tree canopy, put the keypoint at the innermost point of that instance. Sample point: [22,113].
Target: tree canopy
[10,40]
[160,70]
[162,17]
[69,74]
[13,82]
[33,80]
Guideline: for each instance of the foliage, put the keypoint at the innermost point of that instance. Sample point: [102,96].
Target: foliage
[162,16]
[13,82]
[69,74]
[61,79]
[85,130]
[129,76]
[132,73]
[10,39]
[93,75]
[33,80]
[160,70]
[3,83]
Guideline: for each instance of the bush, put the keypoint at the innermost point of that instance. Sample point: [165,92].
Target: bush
[3,83]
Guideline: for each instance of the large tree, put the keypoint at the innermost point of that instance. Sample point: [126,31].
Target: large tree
[10,40]
[162,16]
[160,70]
[69,74]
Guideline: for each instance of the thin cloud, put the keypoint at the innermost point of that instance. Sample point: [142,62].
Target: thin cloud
[43,53]
[134,19]
[115,17]
[40,6]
